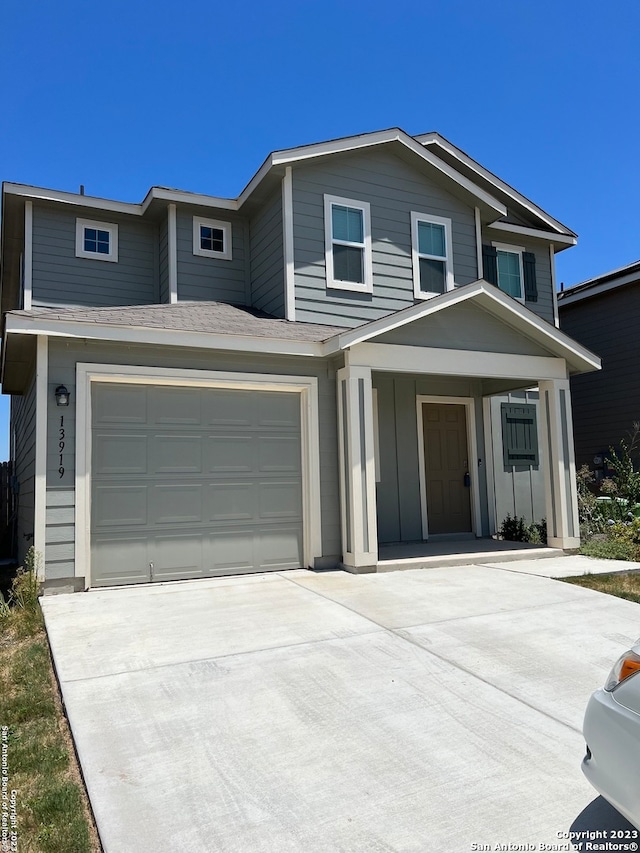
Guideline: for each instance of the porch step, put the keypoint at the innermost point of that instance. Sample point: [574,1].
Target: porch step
[471,557]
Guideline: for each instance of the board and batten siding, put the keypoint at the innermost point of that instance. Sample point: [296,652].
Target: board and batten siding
[394,189]
[23,424]
[398,487]
[62,279]
[518,490]
[204,279]
[267,258]
[543,307]
[63,357]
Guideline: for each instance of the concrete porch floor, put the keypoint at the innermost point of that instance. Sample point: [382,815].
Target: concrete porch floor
[457,552]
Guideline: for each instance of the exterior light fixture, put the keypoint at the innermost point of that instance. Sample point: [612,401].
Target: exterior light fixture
[62,396]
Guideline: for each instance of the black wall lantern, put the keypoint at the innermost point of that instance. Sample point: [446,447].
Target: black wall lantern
[62,396]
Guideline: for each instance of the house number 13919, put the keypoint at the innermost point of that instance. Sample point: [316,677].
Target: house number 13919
[61,445]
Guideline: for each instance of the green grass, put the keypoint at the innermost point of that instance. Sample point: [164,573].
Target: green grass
[53,815]
[621,585]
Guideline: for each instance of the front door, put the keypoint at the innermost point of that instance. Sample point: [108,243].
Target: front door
[446,468]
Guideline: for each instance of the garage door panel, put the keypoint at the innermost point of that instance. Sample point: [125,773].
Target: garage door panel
[175,503]
[120,404]
[177,556]
[117,453]
[231,502]
[202,481]
[119,506]
[119,559]
[279,454]
[280,500]
[175,454]
[226,407]
[230,453]
[169,405]
[278,410]
[230,551]
[279,547]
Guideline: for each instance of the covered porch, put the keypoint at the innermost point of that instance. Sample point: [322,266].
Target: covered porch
[415,428]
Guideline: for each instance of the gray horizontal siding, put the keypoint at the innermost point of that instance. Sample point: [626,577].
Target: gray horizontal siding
[267,258]
[393,189]
[23,433]
[544,306]
[201,278]
[59,278]
[63,357]
[605,403]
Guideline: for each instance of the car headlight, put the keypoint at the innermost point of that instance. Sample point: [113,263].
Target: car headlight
[626,666]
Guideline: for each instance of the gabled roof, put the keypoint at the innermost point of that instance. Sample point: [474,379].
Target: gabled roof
[629,274]
[579,359]
[454,155]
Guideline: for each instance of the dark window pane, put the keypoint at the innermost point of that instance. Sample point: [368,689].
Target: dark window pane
[102,247]
[348,264]
[103,236]
[211,239]
[432,276]
[347,224]
[90,234]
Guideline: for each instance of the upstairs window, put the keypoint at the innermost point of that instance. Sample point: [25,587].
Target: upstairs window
[512,269]
[96,240]
[212,238]
[348,244]
[431,255]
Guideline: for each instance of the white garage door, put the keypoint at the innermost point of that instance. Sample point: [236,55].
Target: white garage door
[193,482]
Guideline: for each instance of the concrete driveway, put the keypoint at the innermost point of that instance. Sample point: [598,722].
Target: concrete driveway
[426,710]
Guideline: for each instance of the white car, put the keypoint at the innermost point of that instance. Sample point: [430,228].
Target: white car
[612,732]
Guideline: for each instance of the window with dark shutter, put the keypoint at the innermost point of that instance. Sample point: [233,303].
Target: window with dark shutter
[519,436]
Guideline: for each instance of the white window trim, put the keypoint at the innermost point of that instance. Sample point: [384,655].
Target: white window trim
[111,227]
[225,227]
[514,250]
[306,387]
[365,207]
[416,254]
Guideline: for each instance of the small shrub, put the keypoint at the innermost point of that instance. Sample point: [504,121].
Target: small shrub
[517,530]
[591,514]
[26,586]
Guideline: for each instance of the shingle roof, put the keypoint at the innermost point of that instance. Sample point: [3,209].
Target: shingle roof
[217,318]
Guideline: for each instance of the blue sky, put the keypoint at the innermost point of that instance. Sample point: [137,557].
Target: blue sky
[130,94]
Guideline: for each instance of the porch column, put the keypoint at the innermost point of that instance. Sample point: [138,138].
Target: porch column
[357,470]
[563,529]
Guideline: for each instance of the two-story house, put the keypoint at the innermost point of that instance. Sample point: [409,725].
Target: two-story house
[289,378]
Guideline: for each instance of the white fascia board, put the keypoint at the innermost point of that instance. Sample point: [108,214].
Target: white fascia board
[96,203]
[355,143]
[451,149]
[160,337]
[40,194]
[559,239]
[183,197]
[566,297]
[490,299]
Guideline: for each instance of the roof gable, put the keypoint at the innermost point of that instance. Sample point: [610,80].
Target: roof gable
[508,311]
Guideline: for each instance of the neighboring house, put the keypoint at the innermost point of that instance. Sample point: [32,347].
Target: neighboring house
[289,378]
[604,313]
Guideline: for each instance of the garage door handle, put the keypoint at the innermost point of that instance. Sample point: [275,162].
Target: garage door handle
[151,571]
